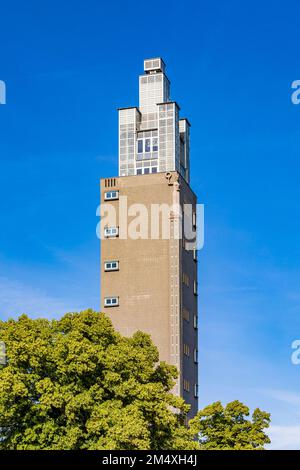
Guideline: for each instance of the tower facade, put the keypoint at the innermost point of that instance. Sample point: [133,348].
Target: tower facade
[148,231]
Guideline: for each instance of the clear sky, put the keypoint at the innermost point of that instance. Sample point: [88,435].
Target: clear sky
[68,66]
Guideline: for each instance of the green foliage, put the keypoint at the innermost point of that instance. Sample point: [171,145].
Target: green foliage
[228,428]
[76,383]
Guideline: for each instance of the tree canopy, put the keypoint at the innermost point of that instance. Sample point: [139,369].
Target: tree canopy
[75,383]
[226,428]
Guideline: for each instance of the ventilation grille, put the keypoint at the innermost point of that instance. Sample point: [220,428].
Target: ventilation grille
[110,182]
[154,64]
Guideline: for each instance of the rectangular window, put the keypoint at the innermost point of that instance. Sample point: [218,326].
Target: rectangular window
[195,287]
[186,385]
[111,266]
[154,144]
[194,219]
[196,390]
[182,148]
[111,301]
[111,232]
[185,314]
[195,321]
[185,279]
[186,350]
[146,170]
[109,195]
[140,146]
[196,356]
[147,145]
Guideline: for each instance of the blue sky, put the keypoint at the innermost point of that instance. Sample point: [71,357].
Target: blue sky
[67,67]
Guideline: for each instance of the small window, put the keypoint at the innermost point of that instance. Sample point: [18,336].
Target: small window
[186,350]
[196,356]
[186,385]
[196,390]
[146,171]
[195,287]
[110,195]
[186,279]
[194,219]
[111,232]
[147,145]
[154,144]
[111,301]
[195,321]
[111,266]
[186,314]
[140,146]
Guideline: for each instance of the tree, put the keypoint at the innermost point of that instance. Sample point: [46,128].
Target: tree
[228,428]
[76,383]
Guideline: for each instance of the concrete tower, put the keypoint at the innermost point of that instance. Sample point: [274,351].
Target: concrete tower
[148,262]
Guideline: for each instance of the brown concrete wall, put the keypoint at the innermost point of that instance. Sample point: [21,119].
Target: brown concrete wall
[144,280]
